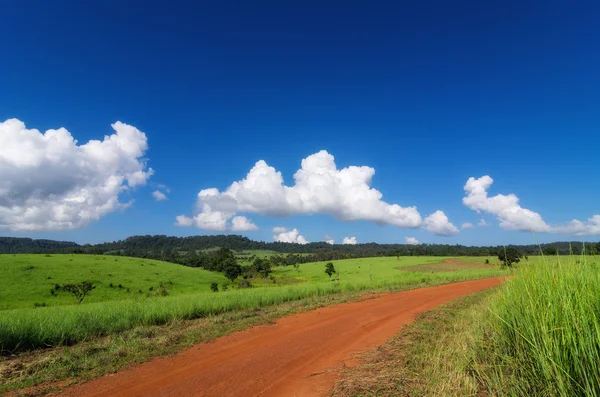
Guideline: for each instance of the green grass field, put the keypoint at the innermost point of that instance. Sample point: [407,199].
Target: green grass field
[28,279]
[110,310]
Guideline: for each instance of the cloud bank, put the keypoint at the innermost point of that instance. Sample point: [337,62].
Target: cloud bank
[288,236]
[512,216]
[49,182]
[320,188]
[349,240]
[411,241]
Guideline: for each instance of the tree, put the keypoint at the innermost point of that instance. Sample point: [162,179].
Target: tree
[214,287]
[262,267]
[550,251]
[232,270]
[329,269]
[575,250]
[80,290]
[509,256]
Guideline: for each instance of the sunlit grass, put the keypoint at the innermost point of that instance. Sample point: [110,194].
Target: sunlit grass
[542,336]
[23,329]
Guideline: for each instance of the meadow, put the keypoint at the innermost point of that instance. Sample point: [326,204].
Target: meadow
[28,279]
[25,324]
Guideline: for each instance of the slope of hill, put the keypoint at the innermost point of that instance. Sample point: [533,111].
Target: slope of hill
[29,279]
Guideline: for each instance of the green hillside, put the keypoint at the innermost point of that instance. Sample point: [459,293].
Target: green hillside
[28,279]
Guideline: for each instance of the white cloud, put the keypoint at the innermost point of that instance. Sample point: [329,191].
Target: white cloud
[329,240]
[467,225]
[49,182]
[349,240]
[579,228]
[482,222]
[514,217]
[242,224]
[438,224]
[292,236]
[411,241]
[510,214]
[319,188]
[159,196]
[184,221]
[279,229]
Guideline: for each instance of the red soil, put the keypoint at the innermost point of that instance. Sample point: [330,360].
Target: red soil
[299,355]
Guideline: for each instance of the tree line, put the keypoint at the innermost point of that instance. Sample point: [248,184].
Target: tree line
[171,248]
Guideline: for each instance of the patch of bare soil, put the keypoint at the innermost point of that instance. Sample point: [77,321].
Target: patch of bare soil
[448,265]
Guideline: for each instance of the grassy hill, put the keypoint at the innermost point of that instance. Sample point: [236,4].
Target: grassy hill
[28,279]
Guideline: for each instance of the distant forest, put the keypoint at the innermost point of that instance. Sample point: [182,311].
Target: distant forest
[177,248]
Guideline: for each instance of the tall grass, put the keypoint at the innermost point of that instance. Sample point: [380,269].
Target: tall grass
[542,337]
[25,329]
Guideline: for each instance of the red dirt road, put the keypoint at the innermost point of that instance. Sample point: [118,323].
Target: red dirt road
[297,356]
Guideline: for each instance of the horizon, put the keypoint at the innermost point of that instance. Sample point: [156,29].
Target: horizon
[472,124]
[589,242]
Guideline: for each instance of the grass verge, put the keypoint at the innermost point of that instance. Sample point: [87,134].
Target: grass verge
[430,357]
[542,334]
[27,329]
[41,371]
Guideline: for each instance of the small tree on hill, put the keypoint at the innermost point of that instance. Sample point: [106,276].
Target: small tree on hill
[214,287]
[329,269]
[232,270]
[79,291]
[509,256]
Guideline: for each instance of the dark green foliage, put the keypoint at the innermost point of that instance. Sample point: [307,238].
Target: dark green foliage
[214,287]
[231,270]
[487,261]
[509,256]
[79,290]
[329,269]
[550,250]
[262,267]
[188,250]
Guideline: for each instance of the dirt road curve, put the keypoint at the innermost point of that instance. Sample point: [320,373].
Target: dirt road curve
[297,356]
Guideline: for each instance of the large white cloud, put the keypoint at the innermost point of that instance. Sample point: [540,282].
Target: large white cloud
[350,240]
[438,224]
[411,241]
[242,224]
[49,182]
[320,188]
[288,236]
[514,217]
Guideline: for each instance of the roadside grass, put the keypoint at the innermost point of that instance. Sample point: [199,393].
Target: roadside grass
[38,372]
[542,333]
[26,329]
[430,357]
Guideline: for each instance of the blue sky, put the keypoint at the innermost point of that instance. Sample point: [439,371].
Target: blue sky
[428,94]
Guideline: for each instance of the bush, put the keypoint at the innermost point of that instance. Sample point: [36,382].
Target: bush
[244,284]
[214,287]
